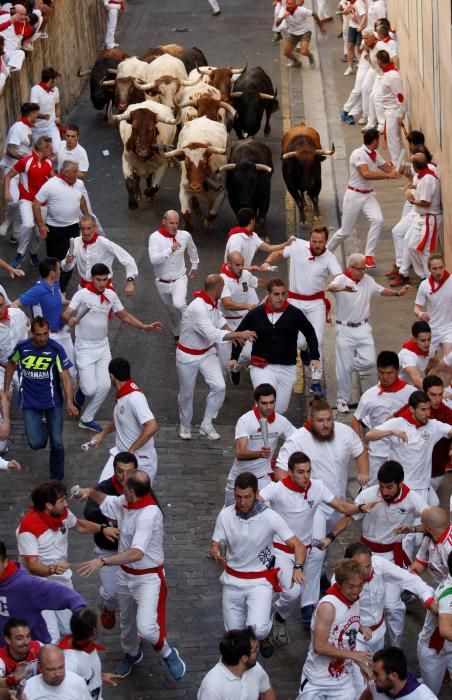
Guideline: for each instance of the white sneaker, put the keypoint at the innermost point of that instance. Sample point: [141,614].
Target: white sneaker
[367,126]
[349,71]
[362,120]
[209,431]
[184,432]
[279,632]
[290,63]
[3,229]
[342,406]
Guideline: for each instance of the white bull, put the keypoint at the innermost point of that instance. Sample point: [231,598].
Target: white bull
[166,75]
[201,150]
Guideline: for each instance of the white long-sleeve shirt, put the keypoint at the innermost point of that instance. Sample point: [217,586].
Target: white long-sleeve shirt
[200,329]
[101,251]
[390,92]
[169,265]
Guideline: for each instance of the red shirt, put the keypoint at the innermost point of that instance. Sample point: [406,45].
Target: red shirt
[33,175]
[440,454]
[10,664]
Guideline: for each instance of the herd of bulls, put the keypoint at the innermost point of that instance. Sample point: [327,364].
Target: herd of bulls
[170,92]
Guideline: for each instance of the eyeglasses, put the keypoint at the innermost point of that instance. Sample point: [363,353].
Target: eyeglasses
[360,269]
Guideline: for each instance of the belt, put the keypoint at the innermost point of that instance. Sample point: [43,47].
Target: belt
[271,575]
[233,318]
[193,351]
[159,279]
[287,549]
[257,361]
[306,297]
[141,572]
[352,325]
[356,189]
[401,558]
[379,624]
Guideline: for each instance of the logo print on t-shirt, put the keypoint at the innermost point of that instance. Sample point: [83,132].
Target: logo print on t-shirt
[266,556]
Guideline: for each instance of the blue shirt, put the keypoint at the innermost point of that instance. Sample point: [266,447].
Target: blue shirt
[39,370]
[48,297]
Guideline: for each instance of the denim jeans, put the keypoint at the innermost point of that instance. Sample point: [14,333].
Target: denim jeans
[39,430]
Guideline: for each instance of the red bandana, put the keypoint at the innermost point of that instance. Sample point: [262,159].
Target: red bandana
[425,171]
[127,388]
[116,485]
[386,39]
[141,503]
[270,310]
[336,591]
[205,297]
[226,271]
[397,386]
[348,274]
[26,121]
[405,412]
[307,425]
[11,569]
[404,491]
[432,282]
[6,315]
[167,234]
[45,87]
[412,347]
[291,10]
[271,418]
[93,240]
[87,647]
[290,484]
[53,522]
[64,178]
[372,155]
[239,229]
[390,66]
[91,288]
[313,256]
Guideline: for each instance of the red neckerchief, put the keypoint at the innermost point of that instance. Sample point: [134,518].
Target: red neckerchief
[11,569]
[432,282]
[116,485]
[443,535]
[372,155]
[386,39]
[412,347]
[239,229]
[6,315]
[389,67]
[397,386]
[53,522]
[226,271]
[87,647]
[45,87]
[336,591]
[291,10]
[64,178]
[313,257]
[164,232]
[348,274]
[205,297]
[91,288]
[307,425]
[404,491]
[93,240]
[127,388]
[405,413]
[271,418]
[270,310]
[290,484]
[26,121]
[370,577]
[141,503]
[425,171]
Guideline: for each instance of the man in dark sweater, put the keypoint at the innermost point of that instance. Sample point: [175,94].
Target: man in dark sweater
[123,463]
[274,353]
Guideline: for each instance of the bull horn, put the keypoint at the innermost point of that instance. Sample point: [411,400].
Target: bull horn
[113,71]
[322,152]
[289,154]
[217,151]
[175,153]
[229,108]
[236,94]
[119,117]
[190,103]
[263,168]
[237,71]
[110,112]
[171,122]
[265,96]
[140,85]
[81,73]
[190,83]
[204,71]
[227,167]
[107,83]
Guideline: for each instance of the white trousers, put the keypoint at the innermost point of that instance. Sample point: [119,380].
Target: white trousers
[112,21]
[289,598]
[413,237]
[28,234]
[354,103]
[324,520]
[65,339]
[400,230]
[147,462]
[214,5]
[138,598]
[248,605]
[281,377]
[433,666]
[174,296]
[393,134]
[188,367]
[12,216]
[354,204]
[50,130]
[14,59]
[375,110]
[309,691]
[355,352]
[315,313]
[322,9]
[108,581]
[366,89]
[225,349]
[58,621]
[92,359]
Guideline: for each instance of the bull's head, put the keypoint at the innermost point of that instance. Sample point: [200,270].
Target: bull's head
[221,78]
[143,137]
[209,107]
[199,171]
[305,152]
[126,94]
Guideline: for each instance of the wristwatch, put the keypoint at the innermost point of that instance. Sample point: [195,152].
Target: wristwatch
[298,566]
[131,279]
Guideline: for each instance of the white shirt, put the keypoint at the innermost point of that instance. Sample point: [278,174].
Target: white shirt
[360,156]
[357,10]
[221,684]
[130,414]
[428,189]
[299,22]
[431,620]
[103,250]
[408,358]
[379,525]
[245,244]
[88,666]
[354,307]
[19,135]
[72,688]
[297,509]
[329,459]
[76,155]
[50,546]
[241,291]
[434,555]
[47,102]
[390,46]
[169,265]
[438,305]
[390,92]
[249,542]
[200,328]
[376,9]
[248,426]
[63,201]
[94,325]
[422,692]
[307,275]
[376,406]
[11,332]
[141,528]
[416,454]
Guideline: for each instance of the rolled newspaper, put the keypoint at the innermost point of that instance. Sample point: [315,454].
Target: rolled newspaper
[223,548]
[88,445]
[264,427]
[83,309]
[71,246]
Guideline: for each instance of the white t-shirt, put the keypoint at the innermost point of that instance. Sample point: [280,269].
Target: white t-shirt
[63,201]
[141,528]
[357,10]
[221,684]
[421,692]
[94,325]
[47,102]
[88,666]
[360,156]
[131,412]
[244,244]
[431,620]
[169,265]
[18,135]
[308,274]
[72,688]
[299,22]
[434,555]
[76,155]
[408,358]
[11,332]
[241,291]
[376,9]
[354,307]
[438,305]
[416,455]
[297,509]
[428,189]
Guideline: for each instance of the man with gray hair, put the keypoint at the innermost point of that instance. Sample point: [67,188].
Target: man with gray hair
[355,348]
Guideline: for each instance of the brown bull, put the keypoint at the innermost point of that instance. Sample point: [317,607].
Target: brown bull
[221,78]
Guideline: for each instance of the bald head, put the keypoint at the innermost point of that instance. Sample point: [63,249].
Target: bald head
[51,661]
[213,282]
[419,161]
[236,257]
[170,221]
[20,9]
[435,518]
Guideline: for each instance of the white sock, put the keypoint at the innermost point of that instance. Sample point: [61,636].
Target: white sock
[165,651]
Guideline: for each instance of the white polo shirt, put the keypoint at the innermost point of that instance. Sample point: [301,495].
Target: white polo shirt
[88,666]
[241,291]
[354,307]
[141,528]
[131,412]
[36,539]
[245,244]
[63,201]
[221,684]
[434,555]
[297,509]
[18,135]
[298,23]
[201,329]
[93,327]
[357,10]
[408,358]
[416,455]
[308,274]
[102,250]
[438,305]
[379,525]
[47,102]
[329,459]
[428,189]
[11,331]
[360,156]
[76,155]
[431,620]
[72,688]
[169,265]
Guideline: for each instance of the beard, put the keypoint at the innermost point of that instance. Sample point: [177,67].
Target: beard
[320,436]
